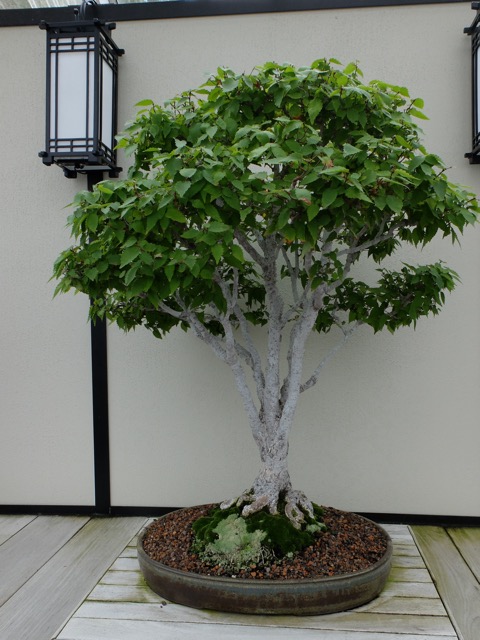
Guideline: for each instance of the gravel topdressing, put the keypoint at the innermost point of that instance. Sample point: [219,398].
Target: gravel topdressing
[351,544]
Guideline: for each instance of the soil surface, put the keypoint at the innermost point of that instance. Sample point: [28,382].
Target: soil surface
[351,543]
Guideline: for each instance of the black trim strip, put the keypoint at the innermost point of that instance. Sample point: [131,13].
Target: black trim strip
[101,441]
[101,444]
[155,512]
[194,8]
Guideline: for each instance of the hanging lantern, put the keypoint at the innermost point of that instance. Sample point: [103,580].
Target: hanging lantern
[474,31]
[81,105]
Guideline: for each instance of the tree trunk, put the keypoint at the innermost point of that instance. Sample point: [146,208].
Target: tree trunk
[273,479]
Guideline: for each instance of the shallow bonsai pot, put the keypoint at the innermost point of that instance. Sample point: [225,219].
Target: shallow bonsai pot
[282,597]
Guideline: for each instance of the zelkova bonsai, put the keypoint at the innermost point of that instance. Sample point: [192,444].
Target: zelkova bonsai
[251,201]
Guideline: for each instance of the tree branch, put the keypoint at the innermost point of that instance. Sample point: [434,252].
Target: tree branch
[313,379]
[198,328]
[232,349]
[245,243]
[255,363]
[249,352]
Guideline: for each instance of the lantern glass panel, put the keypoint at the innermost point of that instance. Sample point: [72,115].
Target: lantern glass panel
[107,105]
[72,112]
[476,86]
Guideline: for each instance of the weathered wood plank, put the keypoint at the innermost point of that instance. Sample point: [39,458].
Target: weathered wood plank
[124,593]
[351,620]
[457,585]
[23,554]
[43,604]
[9,525]
[170,612]
[410,589]
[468,543]
[402,549]
[414,562]
[405,574]
[125,564]
[123,577]
[97,629]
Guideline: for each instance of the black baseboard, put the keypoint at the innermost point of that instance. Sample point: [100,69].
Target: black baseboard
[155,512]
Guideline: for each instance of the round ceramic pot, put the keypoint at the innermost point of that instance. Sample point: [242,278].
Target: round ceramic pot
[282,597]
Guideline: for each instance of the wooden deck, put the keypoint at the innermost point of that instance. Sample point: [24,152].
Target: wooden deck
[76,578]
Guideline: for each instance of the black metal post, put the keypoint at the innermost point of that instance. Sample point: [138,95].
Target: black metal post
[100,401]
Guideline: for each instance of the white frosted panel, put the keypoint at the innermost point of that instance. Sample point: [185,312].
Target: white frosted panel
[107,101]
[68,119]
[477,123]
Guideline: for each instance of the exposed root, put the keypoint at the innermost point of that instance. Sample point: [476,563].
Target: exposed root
[296,504]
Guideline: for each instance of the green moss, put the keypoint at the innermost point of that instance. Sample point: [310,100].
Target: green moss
[224,532]
[235,547]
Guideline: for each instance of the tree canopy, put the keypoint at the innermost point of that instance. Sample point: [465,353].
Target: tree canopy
[285,173]
[328,165]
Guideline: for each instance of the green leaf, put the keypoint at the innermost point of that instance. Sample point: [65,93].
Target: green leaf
[92,222]
[237,253]
[230,84]
[418,114]
[329,196]
[145,103]
[312,211]
[283,218]
[130,275]
[394,203]
[218,227]
[302,194]
[350,68]
[416,162]
[182,187]
[141,285]
[217,252]
[314,108]
[169,271]
[187,172]
[175,214]
[350,150]
[440,188]
[101,187]
[129,256]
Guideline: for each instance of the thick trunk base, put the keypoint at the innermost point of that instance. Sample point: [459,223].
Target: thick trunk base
[294,504]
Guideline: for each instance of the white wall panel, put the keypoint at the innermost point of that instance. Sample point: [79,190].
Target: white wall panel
[394,424]
[46,454]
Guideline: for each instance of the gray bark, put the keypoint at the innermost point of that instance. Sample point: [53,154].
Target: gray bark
[271,403]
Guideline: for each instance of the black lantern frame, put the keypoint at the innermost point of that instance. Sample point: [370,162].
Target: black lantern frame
[82,95]
[474,31]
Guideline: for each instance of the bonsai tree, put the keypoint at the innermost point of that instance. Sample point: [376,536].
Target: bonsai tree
[251,201]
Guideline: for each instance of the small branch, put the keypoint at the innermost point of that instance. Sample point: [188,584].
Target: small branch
[199,329]
[255,362]
[314,377]
[293,272]
[232,349]
[291,385]
[245,243]
[380,237]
